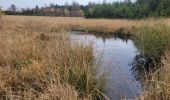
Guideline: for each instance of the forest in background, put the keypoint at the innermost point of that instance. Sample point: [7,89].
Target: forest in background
[73,10]
[126,9]
[130,10]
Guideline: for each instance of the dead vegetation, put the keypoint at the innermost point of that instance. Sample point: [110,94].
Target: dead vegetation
[38,60]
[92,25]
[37,63]
[158,87]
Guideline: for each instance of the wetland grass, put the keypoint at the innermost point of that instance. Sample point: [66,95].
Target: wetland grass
[39,61]
[158,86]
[87,25]
[153,40]
[154,43]
[36,63]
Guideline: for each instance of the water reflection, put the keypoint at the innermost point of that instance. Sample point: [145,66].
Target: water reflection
[104,36]
[118,53]
[143,67]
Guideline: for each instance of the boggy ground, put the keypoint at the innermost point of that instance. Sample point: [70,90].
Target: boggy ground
[39,61]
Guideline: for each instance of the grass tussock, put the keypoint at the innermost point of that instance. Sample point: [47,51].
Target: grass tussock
[36,63]
[153,40]
[158,88]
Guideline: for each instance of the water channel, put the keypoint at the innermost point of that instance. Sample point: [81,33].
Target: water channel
[118,53]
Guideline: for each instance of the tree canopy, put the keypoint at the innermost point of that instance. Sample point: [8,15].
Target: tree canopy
[127,9]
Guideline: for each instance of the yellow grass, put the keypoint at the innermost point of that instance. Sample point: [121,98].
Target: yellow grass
[25,59]
[37,63]
[159,85]
[96,25]
[38,60]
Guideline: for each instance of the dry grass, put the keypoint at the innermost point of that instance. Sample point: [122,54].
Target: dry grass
[38,60]
[94,25]
[37,63]
[158,88]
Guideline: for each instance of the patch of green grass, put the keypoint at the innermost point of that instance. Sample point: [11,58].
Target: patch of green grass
[154,40]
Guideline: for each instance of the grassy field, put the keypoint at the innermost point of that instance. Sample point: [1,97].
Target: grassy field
[39,61]
[82,24]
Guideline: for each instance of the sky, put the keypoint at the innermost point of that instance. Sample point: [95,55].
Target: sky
[5,4]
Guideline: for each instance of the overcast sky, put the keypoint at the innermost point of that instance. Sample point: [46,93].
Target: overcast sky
[31,3]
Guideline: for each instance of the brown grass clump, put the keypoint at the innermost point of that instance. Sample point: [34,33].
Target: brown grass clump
[37,63]
[158,88]
[59,92]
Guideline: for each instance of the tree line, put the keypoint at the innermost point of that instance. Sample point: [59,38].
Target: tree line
[73,10]
[131,10]
[126,9]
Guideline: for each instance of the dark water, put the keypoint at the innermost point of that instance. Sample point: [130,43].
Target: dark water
[119,54]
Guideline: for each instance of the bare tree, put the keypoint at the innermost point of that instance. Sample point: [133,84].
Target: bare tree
[75,8]
[91,4]
[36,8]
[75,5]
[23,9]
[1,14]
[66,12]
[12,8]
[66,5]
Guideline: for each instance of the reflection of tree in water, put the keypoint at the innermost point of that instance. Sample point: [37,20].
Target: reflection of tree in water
[106,36]
[143,67]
